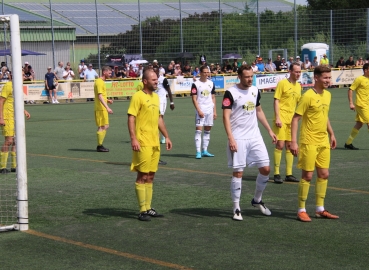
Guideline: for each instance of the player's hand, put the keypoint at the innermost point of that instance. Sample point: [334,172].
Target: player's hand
[27,114]
[168,143]
[352,107]
[135,145]
[273,136]
[110,111]
[201,114]
[333,142]
[294,148]
[172,107]
[278,122]
[110,101]
[232,145]
[2,122]
[215,115]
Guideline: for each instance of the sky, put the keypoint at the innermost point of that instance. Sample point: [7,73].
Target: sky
[299,2]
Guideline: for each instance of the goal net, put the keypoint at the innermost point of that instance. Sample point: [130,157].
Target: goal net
[13,180]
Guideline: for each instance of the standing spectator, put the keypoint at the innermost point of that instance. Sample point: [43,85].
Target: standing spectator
[284,65]
[289,62]
[298,61]
[235,67]
[307,64]
[102,110]
[361,106]
[314,148]
[359,62]
[218,69]
[28,76]
[90,76]
[228,66]
[277,63]
[161,69]
[324,61]
[286,97]
[270,66]
[350,63]
[196,72]
[5,75]
[241,112]
[260,65]
[203,98]
[68,75]
[81,69]
[254,67]
[143,125]
[50,84]
[59,70]
[186,70]
[315,62]
[341,63]
[177,70]
[155,64]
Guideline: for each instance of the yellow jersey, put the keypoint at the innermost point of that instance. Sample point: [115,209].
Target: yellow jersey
[288,94]
[145,107]
[324,62]
[100,88]
[314,108]
[361,86]
[7,93]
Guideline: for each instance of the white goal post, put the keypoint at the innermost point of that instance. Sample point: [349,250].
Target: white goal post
[21,195]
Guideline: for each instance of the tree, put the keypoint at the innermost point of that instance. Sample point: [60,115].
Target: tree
[337,4]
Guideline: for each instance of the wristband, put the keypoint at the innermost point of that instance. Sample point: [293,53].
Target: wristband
[172,103]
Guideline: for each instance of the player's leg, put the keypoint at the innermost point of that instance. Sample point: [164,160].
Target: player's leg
[277,160]
[209,122]
[51,100]
[55,96]
[13,153]
[199,122]
[353,134]
[8,133]
[162,109]
[102,123]
[322,169]
[289,164]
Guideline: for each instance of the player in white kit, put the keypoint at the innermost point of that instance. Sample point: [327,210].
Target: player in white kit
[203,98]
[241,112]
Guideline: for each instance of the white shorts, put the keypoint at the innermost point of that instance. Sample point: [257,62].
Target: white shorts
[249,153]
[163,107]
[207,121]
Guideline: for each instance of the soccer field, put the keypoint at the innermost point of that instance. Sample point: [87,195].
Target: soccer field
[83,208]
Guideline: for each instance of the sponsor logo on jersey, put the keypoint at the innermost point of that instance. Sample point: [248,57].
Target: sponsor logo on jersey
[226,102]
[194,90]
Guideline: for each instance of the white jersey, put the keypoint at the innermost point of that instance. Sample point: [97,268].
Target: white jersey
[204,92]
[161,91]
[243,103]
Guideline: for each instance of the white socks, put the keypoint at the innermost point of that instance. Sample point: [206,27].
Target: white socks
[198,140]
[261,182]
[236,186]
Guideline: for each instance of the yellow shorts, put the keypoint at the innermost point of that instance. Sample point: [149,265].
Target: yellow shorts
[101,118]
[146,160]
[9,129]
[283,133]
[362,114]
[312,156]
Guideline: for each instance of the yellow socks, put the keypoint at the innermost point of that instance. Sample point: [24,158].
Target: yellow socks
[100,137]
[303,192]
[320,191]
[3,159]
[149,192]
[289,162]
[14,159]
[352,136]
[277,160]
[141,196]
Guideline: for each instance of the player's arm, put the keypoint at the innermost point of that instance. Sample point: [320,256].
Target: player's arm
[194,100]
[351,104]
[2,101]
[215,106]
[167,88]
[102,100]
[331,135]
[132,132]
[27,114]
[164,131]
[294,126]
[262,119]
[278,121]
[227,127]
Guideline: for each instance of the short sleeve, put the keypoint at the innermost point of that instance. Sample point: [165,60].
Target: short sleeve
[227,102]
[193,90]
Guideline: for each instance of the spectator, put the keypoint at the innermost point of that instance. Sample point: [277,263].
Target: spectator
[228,67]
[119,73]
[235,66]
[350,62]
[256,58]
[196,72]
[81,69]
[68,75]
[324,61]
[187,70]
[51,84]
[59,70]
[177,70]
[341,63]
[218,69]
[254,67]
[289,62]
[270,66]
[367,60]
[155,64]
[235,62]
[298,61]
[5,75]
[25,65]
[315,62]
[277,63]
[161,69]
[307,64]
[360,62]
[260,64]
[90,76]
[140,70]
[131,72]
[284,65]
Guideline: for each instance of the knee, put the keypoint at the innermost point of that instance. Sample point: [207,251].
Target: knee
[264,170]
[324,175]
[237,174]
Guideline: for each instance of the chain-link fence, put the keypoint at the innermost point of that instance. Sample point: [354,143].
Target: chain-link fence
[163,30]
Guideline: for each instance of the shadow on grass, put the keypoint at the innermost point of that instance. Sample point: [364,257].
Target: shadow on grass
[221,213]
[343,148]
[82,150]
[111,212]
[119,163]
[178,155]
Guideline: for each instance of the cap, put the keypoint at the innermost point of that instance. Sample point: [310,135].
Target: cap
[297,56]
[257,56]
[260,59]
[48,67]
[155,61]
[26,63]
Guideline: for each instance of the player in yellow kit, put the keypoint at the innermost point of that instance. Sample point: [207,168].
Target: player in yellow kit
[286,97]
[101,108]
[7,125]
[144,125]
[314,144]
[361,86]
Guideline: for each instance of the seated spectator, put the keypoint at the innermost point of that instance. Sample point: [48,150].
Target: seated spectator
[324,61]
[270,66]
[235,62]
[170,69]
[359,62]
[283,66]
[218,69]
[212,68]
[228,66]
[254,67]
[350,62]
[177,70]
[119,73]
[289,62]
[161,69]
[186,70]
[235,67]
[307,64]
[260,65]
[298,61]
[155,64]
[131,72]
[340,63]
[196,72]
[315,62]
[367,60]
[5,75]
[28,74]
